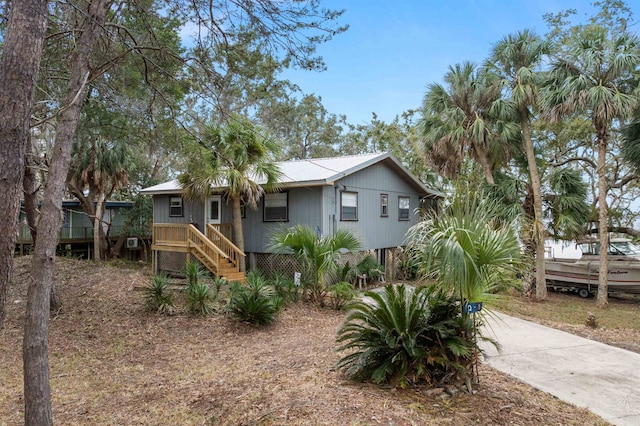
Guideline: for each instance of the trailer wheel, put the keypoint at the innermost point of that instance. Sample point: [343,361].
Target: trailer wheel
[584,293]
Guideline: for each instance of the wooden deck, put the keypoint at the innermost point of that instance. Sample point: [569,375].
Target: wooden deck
[69,235]
[214,250]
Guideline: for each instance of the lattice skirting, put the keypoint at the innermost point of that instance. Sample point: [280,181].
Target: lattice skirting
[391,258]
[269,264]
[170,262]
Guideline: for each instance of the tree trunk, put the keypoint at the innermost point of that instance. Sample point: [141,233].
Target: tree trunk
[30,185]
[98,235]
[538,226]
[30,188]
[528,244]
[21,53]
[37,389]
[483,159]
[602,300]
[237,229]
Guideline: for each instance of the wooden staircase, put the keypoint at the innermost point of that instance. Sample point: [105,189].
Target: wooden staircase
[214,250]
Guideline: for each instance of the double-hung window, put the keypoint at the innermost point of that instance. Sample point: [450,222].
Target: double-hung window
[348,205]
[403,208]
[175,207]
[276,207]
[384,205]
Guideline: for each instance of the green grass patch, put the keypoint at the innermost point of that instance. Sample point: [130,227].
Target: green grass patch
[570,309]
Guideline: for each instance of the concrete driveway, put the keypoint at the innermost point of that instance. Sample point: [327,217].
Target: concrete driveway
[590,374]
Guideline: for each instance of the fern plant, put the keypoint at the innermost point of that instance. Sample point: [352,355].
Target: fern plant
[158,297]
[256,302]
[405,336]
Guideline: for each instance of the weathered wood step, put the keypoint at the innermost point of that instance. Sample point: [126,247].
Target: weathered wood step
[236,276]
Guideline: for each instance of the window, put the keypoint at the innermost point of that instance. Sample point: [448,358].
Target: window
[403,208]
[384,205]
[348,205]
[67,218]
[276,207]
[175,207]
[243,210]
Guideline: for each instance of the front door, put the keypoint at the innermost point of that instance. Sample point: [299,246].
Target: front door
[212,209]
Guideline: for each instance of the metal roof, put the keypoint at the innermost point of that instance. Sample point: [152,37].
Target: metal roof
[320,171]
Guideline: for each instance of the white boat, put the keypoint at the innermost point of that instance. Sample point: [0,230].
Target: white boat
[581,275]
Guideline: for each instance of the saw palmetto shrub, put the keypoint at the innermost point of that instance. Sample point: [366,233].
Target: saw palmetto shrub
[407,336]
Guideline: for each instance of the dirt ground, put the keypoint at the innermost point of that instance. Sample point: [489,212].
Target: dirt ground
[114,364]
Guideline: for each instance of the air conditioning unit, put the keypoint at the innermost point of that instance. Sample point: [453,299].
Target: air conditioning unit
[132,242]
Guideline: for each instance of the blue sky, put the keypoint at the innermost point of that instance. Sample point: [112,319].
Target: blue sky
[395,48]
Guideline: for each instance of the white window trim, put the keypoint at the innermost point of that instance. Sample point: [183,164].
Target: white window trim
[352,202]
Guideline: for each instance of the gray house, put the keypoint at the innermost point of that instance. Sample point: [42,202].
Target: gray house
[373,195]
[76,233]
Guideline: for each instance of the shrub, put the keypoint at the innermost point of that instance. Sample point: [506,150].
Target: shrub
[158,297]
[200,299]
[318,255]
[284,288]
[255,302]
[193,271]
[370,268]
[591,321]
[405,336]
[342,293]
[219,282]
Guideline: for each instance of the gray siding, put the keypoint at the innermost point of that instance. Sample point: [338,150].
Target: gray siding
[193,211]
[376,231]
[305,208]
[319,207]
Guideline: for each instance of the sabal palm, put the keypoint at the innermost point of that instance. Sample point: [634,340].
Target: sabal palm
[457,122]
[317,254]
[516,59]
[595,76]
[97,170]
[631,142]
[466,247]
[566,208]
[237,157]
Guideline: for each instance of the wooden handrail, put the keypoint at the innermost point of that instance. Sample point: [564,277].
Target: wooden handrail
[198,241]
[224,228]
[212,247]
[231,251]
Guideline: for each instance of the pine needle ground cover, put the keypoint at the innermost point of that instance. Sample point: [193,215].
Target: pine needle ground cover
[114,363]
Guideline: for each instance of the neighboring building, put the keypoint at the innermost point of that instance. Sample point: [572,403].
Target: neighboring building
[373,195]
[76,233]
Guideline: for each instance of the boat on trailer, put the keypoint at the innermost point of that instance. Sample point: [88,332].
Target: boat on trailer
[581,275]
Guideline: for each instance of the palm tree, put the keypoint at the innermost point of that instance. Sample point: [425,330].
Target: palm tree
[467,247]
[631,142]
[594,76]
[457,122]
[97,170]
[318,255]
[516,59]
[235,157]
